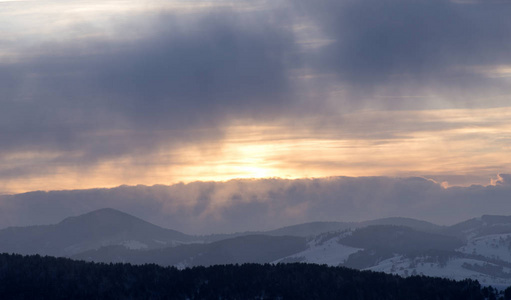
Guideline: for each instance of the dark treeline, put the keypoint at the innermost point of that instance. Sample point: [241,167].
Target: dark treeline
[36,277]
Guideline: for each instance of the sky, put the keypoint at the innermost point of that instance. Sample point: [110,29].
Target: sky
[98,94]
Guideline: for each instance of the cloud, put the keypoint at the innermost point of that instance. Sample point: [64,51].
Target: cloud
[116,89]
[179,81]
[168,72]
[239,205]
[503,179]
[404,49]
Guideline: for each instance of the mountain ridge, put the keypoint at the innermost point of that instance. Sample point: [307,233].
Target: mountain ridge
[88,231]
[478,248]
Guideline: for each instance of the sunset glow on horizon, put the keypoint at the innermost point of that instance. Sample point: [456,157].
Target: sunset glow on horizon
[440,142]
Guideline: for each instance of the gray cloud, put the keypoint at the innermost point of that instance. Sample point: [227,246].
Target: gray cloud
[238,205]
[107,97]
[414,48]
[165,79]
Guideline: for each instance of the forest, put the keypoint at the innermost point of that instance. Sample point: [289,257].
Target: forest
[38,277]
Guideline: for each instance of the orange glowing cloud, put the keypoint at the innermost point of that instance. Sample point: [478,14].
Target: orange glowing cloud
[456,142]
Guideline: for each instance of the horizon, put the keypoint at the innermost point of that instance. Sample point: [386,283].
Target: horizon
[264,204]
[256,231]
[491,181]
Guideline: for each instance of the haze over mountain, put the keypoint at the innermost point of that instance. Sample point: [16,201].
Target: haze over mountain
[266,204]
[110,227]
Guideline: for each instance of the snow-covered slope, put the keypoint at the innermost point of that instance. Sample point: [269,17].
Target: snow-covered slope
[484,256]
[406,252]
[493,246]
[457,268]
[320,251]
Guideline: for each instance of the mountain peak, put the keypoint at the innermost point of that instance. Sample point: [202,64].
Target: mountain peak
[111,222]
[106,211]
[95,229]
[109,215]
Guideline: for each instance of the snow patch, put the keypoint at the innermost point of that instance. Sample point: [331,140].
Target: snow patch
[330,252]
[134,245]
[495,246]
[454,268]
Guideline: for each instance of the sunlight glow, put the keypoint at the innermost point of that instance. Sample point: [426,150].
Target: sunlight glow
[457,142]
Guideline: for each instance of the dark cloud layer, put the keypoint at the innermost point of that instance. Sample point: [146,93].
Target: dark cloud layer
[421,47]
[239,205]
[166,79]
[106,97]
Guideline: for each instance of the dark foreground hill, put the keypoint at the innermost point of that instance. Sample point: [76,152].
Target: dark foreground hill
[36,277]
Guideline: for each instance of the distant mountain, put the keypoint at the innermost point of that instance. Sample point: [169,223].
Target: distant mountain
[364,247]
[300,230]
[245,249]
[311,229]
[93,230]
[479,248]
[315,228]
[485,225]
[407,222]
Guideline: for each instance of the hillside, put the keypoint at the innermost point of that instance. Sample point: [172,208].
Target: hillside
[245,249]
